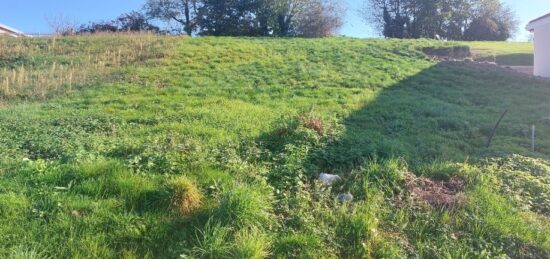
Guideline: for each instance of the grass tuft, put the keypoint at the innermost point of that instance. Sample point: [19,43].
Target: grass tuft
[244,206]
[186,196]
[251,243]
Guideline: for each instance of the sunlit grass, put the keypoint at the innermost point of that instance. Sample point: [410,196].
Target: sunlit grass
[211,148]
[504,53]
[37,68]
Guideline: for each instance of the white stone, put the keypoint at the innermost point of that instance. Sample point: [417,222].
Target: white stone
[329,179]
[345,197]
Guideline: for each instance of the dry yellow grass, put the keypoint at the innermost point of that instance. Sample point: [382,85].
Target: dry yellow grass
[186,197]
[36,68]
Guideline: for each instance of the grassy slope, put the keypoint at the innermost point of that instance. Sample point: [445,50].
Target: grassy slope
[504,53]
[107,171]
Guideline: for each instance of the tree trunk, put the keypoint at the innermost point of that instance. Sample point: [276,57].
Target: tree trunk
[188,27]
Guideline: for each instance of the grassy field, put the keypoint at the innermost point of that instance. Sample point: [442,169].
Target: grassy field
[504,53]
[212,147]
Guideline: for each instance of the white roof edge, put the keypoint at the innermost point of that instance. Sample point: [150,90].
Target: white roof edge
[538,23]
[10,29]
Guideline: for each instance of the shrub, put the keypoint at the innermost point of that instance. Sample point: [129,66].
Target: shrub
[186,197]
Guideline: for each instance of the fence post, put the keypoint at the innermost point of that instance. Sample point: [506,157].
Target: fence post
[533,138]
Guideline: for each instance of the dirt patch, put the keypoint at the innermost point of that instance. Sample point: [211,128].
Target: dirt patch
[445,194]
[447,53]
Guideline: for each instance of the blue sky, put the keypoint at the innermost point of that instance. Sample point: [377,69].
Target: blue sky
[31,15]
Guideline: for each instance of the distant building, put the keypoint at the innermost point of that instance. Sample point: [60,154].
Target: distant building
[8,31]
[541,30]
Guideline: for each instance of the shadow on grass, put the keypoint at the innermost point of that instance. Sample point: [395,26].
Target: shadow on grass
[519,59]
[444,113]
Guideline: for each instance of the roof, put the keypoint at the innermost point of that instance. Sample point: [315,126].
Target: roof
[9,29]
[543,20]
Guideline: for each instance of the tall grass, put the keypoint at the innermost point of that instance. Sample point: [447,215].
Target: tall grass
[37,68]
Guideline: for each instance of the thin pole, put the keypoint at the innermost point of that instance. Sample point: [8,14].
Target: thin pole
[495,128]
[533,138]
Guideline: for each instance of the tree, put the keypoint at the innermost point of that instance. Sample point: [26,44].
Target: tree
[449,19]
[286,18]
[132,21]
[492,21]
[135,21]
[97,27]
[389,16]
[285,12]
[233,18]
[319,18]
[183,12]
[307,18]
[62,25]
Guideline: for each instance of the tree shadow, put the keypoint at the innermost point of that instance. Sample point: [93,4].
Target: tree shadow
[516,59]
[444,113]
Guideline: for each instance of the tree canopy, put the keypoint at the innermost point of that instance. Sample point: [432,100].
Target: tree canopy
[132,21]
[283,18]
[449,19]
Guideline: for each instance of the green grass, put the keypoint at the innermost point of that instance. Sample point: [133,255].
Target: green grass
[213,151]
[504,53]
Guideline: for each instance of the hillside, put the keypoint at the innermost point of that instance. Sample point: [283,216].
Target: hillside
[160,147]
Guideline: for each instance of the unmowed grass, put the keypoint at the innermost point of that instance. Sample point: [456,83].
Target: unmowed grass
[212,148]
[38,68]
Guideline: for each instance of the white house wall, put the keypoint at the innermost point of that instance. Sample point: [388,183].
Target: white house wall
[542,51]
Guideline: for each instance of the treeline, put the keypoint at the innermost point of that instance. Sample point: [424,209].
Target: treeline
[440,19]
[449,19]
[284,18]
[279,18]
[132,21]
